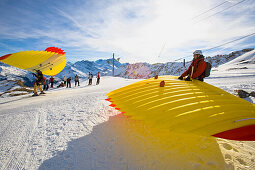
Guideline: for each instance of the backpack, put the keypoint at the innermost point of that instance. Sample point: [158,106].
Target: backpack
[207,69]
[40,77]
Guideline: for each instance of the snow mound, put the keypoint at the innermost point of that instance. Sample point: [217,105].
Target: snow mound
[243,65]
[247,58]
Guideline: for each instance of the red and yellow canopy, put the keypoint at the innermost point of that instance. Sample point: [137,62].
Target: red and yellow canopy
[50,62]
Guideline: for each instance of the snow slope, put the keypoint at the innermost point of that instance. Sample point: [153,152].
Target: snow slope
[33,129]
[74,128]
[236,74]
[243,65]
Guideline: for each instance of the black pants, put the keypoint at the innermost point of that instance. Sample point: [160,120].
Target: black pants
[77,82]
[46,87]
[98,81]
[200,78]
[90,81]
[51,84]
[68,84]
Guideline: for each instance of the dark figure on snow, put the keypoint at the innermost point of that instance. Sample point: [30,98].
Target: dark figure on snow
[76,80]
[61,85]
[98,78]
[38,82]
[90,78]
[51,81]
[65,79]
[196,68]
[68,82]
[244,94]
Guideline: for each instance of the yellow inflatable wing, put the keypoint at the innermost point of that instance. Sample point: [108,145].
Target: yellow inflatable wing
[187,107]
[50,62]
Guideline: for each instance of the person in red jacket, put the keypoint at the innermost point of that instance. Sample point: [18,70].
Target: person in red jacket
[98,78]
[196,68]
[51,81]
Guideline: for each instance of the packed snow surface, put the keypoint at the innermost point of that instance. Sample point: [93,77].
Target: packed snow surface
[74,128]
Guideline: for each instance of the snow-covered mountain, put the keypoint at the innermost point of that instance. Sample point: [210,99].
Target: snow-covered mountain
[82,68]
[126,70]
[245,62]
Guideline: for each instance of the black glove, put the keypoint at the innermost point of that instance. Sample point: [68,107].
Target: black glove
[180,78]
[188,79]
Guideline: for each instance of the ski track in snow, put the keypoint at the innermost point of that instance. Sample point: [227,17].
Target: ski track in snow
[34,129]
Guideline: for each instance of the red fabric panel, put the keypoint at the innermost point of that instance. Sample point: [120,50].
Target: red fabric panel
[246,133]
[5,56]
[55,50]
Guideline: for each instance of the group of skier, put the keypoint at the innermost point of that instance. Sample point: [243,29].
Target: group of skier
[91,76]
[40,79]
[67,81]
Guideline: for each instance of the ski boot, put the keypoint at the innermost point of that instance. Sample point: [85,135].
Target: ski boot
[35,94]
[42,92]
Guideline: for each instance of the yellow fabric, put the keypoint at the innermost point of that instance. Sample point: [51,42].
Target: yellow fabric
[183,106]
[55,70]
[49,63]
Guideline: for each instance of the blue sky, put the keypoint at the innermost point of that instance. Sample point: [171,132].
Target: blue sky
[135,30]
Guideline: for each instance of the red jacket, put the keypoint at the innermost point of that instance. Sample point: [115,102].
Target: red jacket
[44,82]
[199,67]
[52,80]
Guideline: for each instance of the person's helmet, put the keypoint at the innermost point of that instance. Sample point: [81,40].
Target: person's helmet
[198,52]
